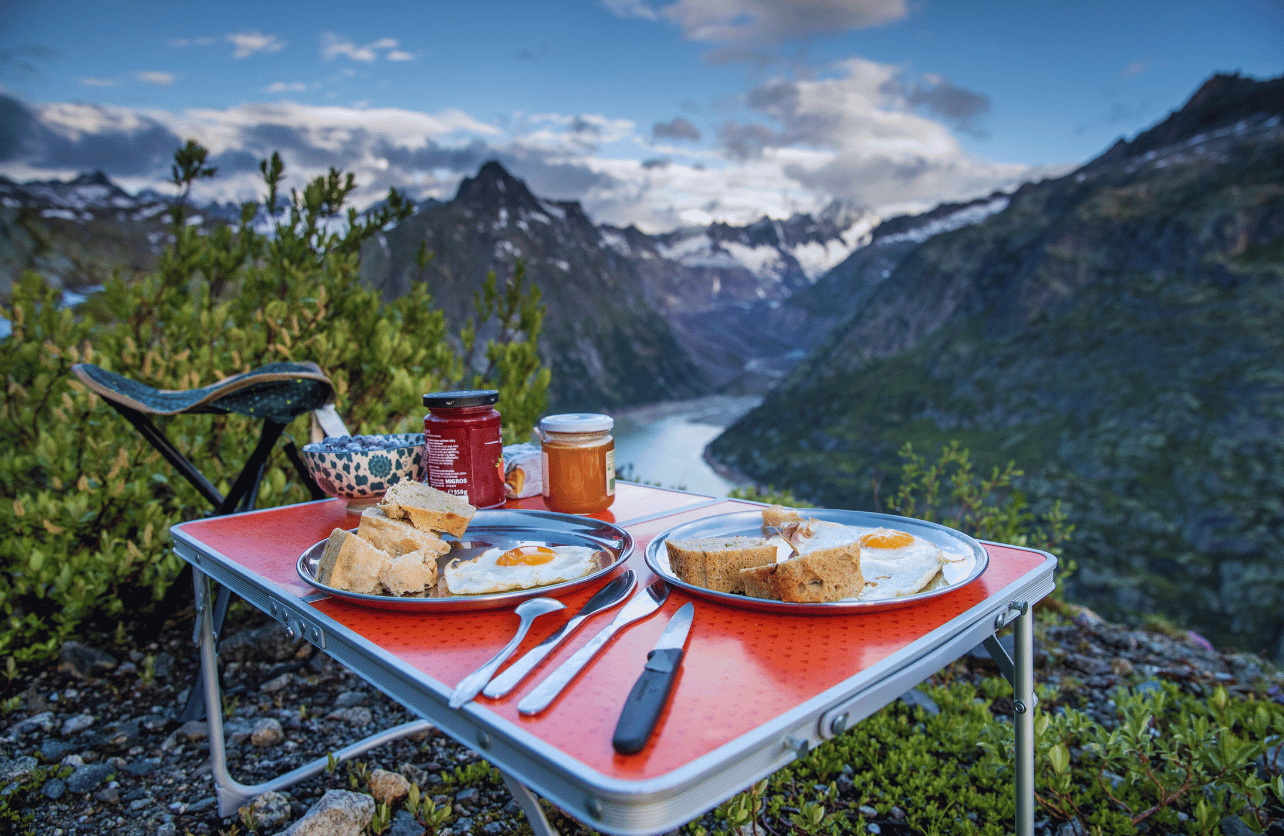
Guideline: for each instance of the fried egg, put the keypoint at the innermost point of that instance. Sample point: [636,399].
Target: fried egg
[522,567]
[896,563]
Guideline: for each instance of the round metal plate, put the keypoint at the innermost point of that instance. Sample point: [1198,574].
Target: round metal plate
[496,529]
[965,558]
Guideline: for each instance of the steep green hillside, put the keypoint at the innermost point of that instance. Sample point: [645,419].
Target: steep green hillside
[1119,333]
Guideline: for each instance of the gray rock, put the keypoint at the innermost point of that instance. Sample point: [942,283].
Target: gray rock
[118,737]
[142,768]
[356,716]
[388,787]
[338,813]
[1234,826]
[76,724]
[267,813]
[89,777]
[349,698]
[44,721]
[915,697]
[84,662]
[55,750]
[267,732]
[404,824]
[17,769]
[277,683]
[163,665]
[54,789]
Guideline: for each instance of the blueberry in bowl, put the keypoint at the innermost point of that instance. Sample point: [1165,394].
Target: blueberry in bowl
[361,468]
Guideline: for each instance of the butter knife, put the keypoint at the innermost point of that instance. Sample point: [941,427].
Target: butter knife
[645,702]
[642,604]
[605,598]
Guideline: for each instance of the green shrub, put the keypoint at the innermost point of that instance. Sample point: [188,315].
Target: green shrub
[90,503]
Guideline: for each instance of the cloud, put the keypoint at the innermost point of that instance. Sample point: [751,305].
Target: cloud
[676,128]
[864,131]
[742,23]
[334,46]
[286,87]
[254,43]
[1135,68]
[155,77]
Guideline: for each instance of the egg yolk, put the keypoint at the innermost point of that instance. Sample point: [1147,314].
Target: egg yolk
[886,539]
[528,555]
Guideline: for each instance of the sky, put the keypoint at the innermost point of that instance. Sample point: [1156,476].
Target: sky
[657,113]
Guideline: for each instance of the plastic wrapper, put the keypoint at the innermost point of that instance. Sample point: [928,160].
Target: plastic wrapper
[523,471]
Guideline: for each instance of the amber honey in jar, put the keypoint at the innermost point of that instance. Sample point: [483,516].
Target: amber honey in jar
[578,453]
[464,447]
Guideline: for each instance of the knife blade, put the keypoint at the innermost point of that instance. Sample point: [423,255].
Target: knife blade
[645,702]
[642,604]
[605,598]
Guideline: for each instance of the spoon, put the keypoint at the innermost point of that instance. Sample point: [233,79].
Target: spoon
[471,685]
[605,598]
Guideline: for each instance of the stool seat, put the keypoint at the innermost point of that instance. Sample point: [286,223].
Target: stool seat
[277,392]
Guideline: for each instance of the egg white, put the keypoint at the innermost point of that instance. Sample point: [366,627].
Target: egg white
[889,573]
[482,574]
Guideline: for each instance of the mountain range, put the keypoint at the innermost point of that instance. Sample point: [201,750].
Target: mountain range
[1117,332]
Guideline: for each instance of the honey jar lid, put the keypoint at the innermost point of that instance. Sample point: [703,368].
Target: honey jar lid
[577,422]
[461,399]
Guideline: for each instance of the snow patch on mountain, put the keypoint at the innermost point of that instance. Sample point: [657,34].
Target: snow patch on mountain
[966,216]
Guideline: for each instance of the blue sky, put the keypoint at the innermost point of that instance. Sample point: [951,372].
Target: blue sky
[655,112]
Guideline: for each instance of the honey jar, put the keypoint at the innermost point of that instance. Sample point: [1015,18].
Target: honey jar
[464,446]
[578,455]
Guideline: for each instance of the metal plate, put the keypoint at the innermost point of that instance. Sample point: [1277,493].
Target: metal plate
[496,529]
[965,558]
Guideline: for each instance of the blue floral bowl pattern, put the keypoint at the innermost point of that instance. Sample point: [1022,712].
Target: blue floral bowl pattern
[364,475]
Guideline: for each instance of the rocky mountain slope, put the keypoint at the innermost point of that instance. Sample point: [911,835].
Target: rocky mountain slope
[1116,332]
[632,318]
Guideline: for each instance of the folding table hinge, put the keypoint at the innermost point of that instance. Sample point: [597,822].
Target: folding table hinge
[202,595]
[1015,610]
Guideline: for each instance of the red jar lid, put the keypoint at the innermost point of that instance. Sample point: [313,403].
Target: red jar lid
[461,399]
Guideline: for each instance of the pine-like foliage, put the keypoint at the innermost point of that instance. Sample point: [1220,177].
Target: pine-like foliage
[89,503]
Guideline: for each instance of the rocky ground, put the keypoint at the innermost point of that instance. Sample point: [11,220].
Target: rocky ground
[92,744]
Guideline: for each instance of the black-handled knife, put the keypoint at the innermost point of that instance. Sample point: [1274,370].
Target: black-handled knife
[651,691]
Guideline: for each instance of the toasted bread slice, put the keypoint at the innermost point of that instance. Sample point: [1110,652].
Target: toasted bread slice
[351,563]
[427,508]
[715,562]
[410,574]
[819,576]
[398,537]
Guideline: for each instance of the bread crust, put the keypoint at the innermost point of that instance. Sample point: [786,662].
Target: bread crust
[715,562]
[350,563]
[412,573]
[427,508]
[817,577]
[398,537]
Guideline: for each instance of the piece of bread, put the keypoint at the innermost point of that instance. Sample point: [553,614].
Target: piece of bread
[351,563]
[715,562]
[427,508]
[410,574]
[777,516]
[398,537]
[819,576]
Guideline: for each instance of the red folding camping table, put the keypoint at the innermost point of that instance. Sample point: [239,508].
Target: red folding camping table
[755,691]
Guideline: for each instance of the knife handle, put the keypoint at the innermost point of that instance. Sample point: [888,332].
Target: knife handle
[645,702]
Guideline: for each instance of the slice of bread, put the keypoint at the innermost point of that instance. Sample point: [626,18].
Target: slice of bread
[410,574]
[819,576]
[715,562]
[351,563]
[398,537]
[427,508]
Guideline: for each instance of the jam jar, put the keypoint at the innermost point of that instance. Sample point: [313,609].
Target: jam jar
[464,447]
[578,454]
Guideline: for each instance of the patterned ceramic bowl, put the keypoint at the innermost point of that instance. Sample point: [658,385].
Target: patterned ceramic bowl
[361,476]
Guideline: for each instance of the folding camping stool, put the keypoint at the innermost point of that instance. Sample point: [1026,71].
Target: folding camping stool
[276,394]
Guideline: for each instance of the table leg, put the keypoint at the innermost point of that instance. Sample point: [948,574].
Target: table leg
[1023,718]
[529,804]
[232,795]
